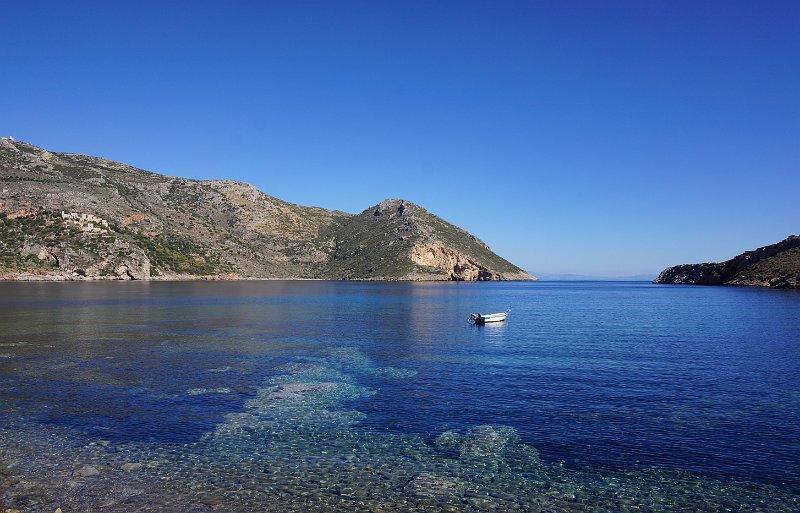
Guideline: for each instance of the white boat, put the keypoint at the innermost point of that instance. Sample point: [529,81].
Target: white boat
[477,318]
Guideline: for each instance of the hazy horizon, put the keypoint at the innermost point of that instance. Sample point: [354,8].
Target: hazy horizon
[605,140]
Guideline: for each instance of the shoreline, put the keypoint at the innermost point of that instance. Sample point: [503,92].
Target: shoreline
[35,278]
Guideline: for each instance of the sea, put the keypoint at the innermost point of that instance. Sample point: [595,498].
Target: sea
[325,396]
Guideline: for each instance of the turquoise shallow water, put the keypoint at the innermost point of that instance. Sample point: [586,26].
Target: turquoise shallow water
[320,396]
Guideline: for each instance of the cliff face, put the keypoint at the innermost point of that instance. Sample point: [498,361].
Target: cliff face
[67,216]
[776,266]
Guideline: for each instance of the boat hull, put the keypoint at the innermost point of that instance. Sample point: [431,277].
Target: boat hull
[487,319]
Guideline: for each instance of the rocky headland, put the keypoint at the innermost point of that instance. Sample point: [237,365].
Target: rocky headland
[775,266]
[66,216]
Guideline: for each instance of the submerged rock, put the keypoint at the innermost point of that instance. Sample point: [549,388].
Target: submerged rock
[203,391]
[297,391]
[483,442]
[86,471]
[488,446]
[130,467]
[448,442]
[354,359]
[393,372]
[126,493]
[428,484]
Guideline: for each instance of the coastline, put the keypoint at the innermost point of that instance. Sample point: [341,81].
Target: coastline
[60,278]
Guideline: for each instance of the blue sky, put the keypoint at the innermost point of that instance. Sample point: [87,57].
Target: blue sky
[603,138]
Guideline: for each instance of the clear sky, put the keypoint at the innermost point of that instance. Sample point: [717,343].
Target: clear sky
[603,138]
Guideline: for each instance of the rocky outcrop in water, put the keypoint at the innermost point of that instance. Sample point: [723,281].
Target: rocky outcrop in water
[488,447]
[775,266]
[65,216]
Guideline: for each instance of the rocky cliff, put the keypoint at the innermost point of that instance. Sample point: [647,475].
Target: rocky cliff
[69,216]
[776,266]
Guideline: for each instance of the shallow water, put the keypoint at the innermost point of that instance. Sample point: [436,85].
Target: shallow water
[320,396]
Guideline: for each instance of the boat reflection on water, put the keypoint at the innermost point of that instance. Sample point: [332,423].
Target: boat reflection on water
[495,332]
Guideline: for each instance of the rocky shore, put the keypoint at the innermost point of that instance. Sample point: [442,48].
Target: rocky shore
[64,277]
[773,266]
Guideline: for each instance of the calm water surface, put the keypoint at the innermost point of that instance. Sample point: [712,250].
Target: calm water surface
[319,396]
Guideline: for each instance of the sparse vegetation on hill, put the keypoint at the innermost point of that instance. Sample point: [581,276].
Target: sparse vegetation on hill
[161,226]
[775,266]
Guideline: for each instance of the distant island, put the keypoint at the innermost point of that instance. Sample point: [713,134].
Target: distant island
[66,216]
[775,266]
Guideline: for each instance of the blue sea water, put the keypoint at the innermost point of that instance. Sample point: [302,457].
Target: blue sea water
[318,396]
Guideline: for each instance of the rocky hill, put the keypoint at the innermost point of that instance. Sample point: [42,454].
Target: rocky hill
[69,216]
[776,266]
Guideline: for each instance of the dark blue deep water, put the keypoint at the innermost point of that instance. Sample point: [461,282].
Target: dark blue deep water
[306,390]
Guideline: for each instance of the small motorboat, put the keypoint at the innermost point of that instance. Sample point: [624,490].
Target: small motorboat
[477,318]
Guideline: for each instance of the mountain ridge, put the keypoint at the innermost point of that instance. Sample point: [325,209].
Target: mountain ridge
[75,216]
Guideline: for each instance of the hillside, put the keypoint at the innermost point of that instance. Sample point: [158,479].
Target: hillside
[69,216]
[776,266]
